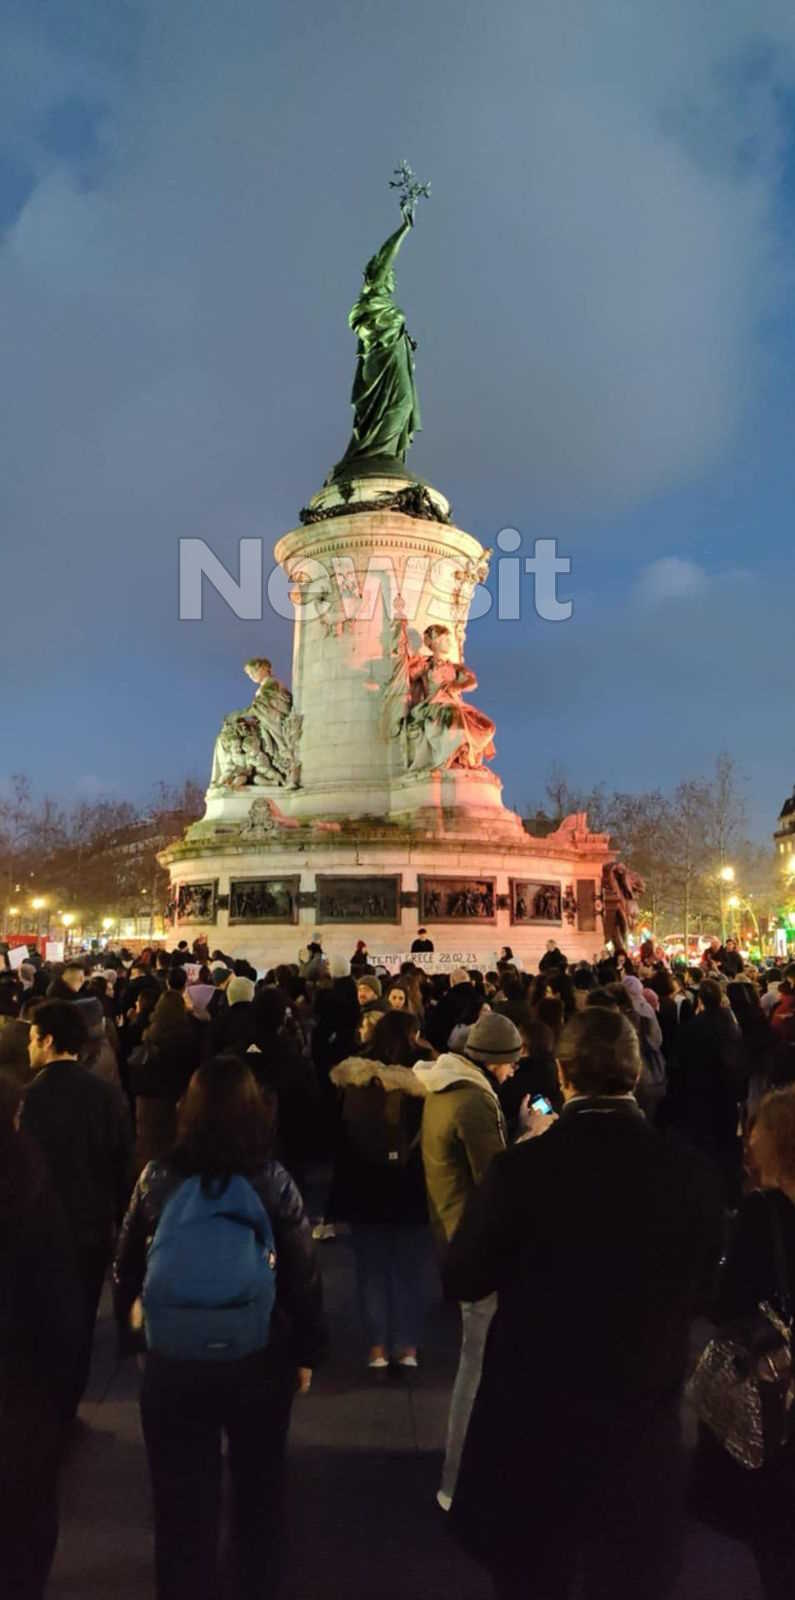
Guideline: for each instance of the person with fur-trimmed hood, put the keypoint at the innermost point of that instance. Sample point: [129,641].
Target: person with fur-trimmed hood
[463,1128]
[379,1187]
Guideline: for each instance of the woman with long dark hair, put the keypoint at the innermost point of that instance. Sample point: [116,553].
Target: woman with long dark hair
[223,1135]
[159,1072]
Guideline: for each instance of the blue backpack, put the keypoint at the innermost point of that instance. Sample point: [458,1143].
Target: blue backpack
[210,1282]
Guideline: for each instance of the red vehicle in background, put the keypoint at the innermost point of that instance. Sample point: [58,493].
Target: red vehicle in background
[34,941]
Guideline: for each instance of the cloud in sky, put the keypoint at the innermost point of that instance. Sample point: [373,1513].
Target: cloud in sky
[612,696]
[670,578]
[195,192]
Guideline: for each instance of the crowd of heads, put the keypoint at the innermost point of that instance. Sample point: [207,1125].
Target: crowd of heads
[67,1006]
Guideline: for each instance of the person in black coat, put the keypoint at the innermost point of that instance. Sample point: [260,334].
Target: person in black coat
[186,1406]
[731,962]
[68,984]
[553,959]
[41,1333]
[460,1005]
[233,1028]
[536,1075]
[82,1126]
[757,1506]
[337,1016]
[712,1083]
[600,1238]
[14,1033]
[284,1072]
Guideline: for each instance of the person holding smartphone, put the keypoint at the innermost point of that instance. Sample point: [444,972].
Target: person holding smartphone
[598,1241]
[535,1081]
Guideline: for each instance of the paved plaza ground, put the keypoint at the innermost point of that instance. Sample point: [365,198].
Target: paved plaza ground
[364,1467]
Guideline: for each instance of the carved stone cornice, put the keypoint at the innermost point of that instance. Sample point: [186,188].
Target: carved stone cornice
[380,534]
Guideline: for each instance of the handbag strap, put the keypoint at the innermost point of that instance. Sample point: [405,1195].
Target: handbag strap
[780,1260]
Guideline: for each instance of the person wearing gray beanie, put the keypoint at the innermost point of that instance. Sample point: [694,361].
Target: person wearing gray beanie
[462,1129]
[368,988]
[493,1040]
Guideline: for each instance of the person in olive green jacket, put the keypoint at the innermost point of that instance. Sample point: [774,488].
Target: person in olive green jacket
[462,1128]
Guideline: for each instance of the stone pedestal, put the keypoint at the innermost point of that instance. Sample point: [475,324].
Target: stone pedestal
[353,572]
[268,867]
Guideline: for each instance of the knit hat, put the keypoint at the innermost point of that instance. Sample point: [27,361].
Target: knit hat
[239,989]
[368,980]
[339,967]
[493,1038]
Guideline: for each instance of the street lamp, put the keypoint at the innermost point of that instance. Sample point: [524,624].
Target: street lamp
[107,923]
[727,874]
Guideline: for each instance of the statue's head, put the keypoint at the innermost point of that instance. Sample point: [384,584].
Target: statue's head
[438,640]
[258,669]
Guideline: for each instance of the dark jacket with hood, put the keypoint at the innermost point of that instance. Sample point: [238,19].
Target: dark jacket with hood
[365,1191]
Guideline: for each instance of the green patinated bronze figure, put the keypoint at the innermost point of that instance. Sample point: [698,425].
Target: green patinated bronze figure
[384,396]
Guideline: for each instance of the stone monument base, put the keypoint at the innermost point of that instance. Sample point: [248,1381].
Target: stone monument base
[260,884]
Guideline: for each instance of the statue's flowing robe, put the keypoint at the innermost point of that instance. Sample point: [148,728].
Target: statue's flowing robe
[265,720]
[384,394]
[443,730]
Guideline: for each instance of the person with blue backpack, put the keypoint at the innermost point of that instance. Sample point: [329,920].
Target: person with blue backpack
[217,1269]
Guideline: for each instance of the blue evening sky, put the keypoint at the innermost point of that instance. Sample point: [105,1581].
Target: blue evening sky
[602,287]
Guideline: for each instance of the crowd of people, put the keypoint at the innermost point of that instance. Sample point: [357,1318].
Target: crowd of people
[590,1157]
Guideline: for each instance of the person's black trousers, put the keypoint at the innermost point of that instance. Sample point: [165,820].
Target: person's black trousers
[616,1520]
[92,1265]
[30,1450]
[185,1409]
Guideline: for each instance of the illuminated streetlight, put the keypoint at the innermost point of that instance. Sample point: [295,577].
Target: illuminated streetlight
[727,874]
[13,911]
[107,922]
[733,901]
[67,919]
[38,904]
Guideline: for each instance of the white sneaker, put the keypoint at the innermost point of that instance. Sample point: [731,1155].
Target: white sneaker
[378,1363]
[324,1230]
[408,1361]
[444,1500]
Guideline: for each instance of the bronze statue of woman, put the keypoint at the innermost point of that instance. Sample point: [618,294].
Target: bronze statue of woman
[384,395]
